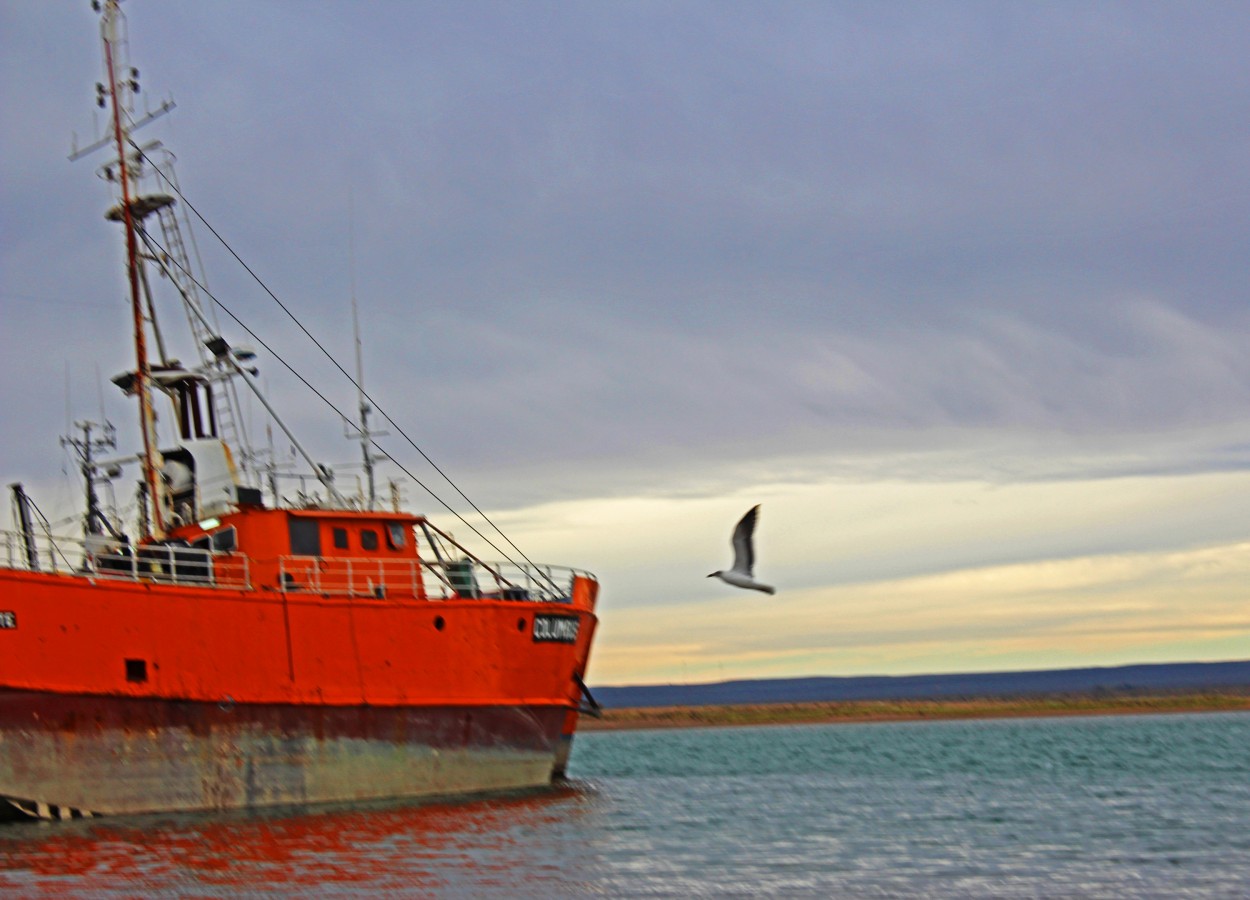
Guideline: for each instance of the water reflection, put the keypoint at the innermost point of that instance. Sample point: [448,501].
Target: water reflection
[477,847]
[1133,806]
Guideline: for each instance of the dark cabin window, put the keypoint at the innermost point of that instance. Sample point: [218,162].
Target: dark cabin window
[395,536]
[368,539]
[340,538]
[305,537]
[225,541]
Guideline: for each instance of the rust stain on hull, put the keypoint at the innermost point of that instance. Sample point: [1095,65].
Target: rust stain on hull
[67,756]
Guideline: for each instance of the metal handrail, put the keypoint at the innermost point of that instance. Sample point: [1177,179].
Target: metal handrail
[102,558]
[106,559]
[408,579]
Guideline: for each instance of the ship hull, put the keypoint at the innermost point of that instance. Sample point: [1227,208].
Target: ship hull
[134,694]
[68,757]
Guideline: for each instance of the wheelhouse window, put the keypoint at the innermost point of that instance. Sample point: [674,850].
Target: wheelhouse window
[396,536]
[368,539]
[305,537]
[226,540]
[340,538]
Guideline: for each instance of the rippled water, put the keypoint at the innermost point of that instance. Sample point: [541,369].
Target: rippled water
[1142,806]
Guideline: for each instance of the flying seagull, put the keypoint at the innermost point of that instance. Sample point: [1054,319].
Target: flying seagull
[744,557]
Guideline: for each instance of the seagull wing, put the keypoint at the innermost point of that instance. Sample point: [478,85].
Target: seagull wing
[744,552]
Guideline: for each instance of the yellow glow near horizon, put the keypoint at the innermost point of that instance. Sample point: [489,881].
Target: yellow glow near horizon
[911,578]
[1089,611]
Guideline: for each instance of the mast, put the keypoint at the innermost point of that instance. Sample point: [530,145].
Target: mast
[94,522]
[21,504]
[366,436]
[174,263]
[110,27]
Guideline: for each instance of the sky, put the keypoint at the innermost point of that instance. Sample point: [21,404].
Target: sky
[956,291]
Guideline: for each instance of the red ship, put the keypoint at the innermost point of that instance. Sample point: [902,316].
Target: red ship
[245,652]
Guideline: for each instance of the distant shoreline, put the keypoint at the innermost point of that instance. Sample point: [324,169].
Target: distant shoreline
[860,711]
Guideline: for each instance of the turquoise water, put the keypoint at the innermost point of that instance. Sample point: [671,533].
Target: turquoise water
[1140,806]
[1136,806]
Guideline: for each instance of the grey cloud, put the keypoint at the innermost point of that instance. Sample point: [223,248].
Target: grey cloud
[593,240]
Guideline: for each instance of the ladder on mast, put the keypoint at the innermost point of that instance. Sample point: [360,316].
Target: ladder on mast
[225,397]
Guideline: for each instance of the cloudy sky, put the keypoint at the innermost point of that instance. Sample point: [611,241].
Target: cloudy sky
[957,291]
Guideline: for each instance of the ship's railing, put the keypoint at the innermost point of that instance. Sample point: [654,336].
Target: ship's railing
[102,558]
[411,579]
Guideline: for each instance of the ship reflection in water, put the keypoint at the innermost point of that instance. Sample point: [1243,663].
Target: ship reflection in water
[481,847]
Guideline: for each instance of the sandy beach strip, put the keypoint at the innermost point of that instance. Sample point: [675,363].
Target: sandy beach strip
[916,710]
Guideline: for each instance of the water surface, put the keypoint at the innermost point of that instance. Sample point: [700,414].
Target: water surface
[1136,806]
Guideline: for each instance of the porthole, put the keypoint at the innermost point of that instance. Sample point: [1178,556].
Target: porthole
[439,623]
[520,624]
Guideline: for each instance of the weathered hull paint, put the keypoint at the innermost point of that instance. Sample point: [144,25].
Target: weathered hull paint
[64,757]
[77,637]
[122,696]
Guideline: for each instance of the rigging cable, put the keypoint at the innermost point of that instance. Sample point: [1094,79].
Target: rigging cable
[152,242]
[156,245]
[189,205]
